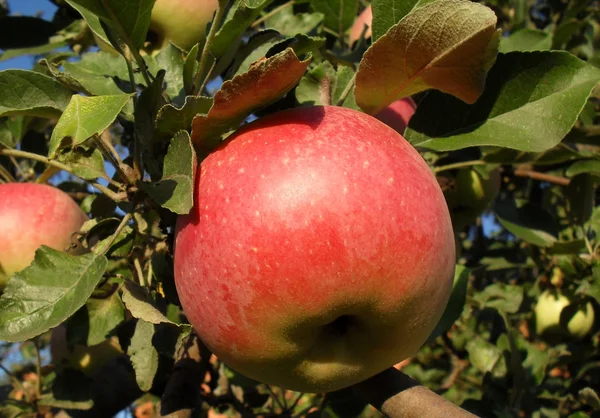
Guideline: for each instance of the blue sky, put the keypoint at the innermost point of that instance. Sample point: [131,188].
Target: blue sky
[27,8]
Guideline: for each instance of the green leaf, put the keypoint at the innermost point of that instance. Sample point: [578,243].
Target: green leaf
[29,93]
[175,191]
[170,119]
[266,81]
[93,323]
[386,13]
[50,290]
[531,101]
[101,73]
[580,195]
[456,304]
[128,18]
[487,357]
[256,48]
[144,356]
[528,222]
[584,166]
[241,14]
[147,107]
[140,304]
[339,14]
[447,45]
[590,397]
[526,40]
[504,298]
[85,117]
[86,164]
[171,60]
[289,23]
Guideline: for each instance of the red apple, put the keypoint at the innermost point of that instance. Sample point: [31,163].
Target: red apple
[319,251]
[32,215]
[182,22]
[398,114]
[364,19]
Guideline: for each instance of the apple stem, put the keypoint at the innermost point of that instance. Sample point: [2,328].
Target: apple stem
[397,395]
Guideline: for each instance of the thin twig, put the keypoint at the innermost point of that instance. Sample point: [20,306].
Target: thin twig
[271,13]
[461,164]
[38,368]
[6,175]
[207,45]
[536,175]
[138,269]
[346,91]
[18,167]
[117,197]
[115,235]
[113,156]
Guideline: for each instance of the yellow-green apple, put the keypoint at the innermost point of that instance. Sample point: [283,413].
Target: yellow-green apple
[554,319]
[88,359]
[471,195]
[363,20]
[182,22]
[32,215]
[319,250]
[398,114]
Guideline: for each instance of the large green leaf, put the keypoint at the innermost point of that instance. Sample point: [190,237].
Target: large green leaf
[30,93]
[128,18]
[531,101]
[86,117]
[144,356]
[50,290]
[456,304]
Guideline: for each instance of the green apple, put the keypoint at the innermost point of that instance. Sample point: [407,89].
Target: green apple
[88,359]
[552,318]
[319,251]
[471,195]
[32,215]
[182,22]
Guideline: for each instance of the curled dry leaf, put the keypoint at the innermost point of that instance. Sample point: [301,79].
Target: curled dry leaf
[446,45]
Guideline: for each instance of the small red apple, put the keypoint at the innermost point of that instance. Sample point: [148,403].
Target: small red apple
[398,114]
[365,18]
[319,251]
[32,215]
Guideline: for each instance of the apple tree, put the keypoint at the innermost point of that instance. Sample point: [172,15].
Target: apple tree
[491,271]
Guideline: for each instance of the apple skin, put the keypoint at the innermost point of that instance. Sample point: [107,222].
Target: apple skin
[182,22]
[87,359]
[319,251]
[398,114]
[365,18]
[32,215]
[547,316]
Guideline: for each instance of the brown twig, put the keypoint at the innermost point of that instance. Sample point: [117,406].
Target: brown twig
[536,175]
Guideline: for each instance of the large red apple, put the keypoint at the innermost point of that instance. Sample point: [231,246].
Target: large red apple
[182,22]
[319,251]
[32,215]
